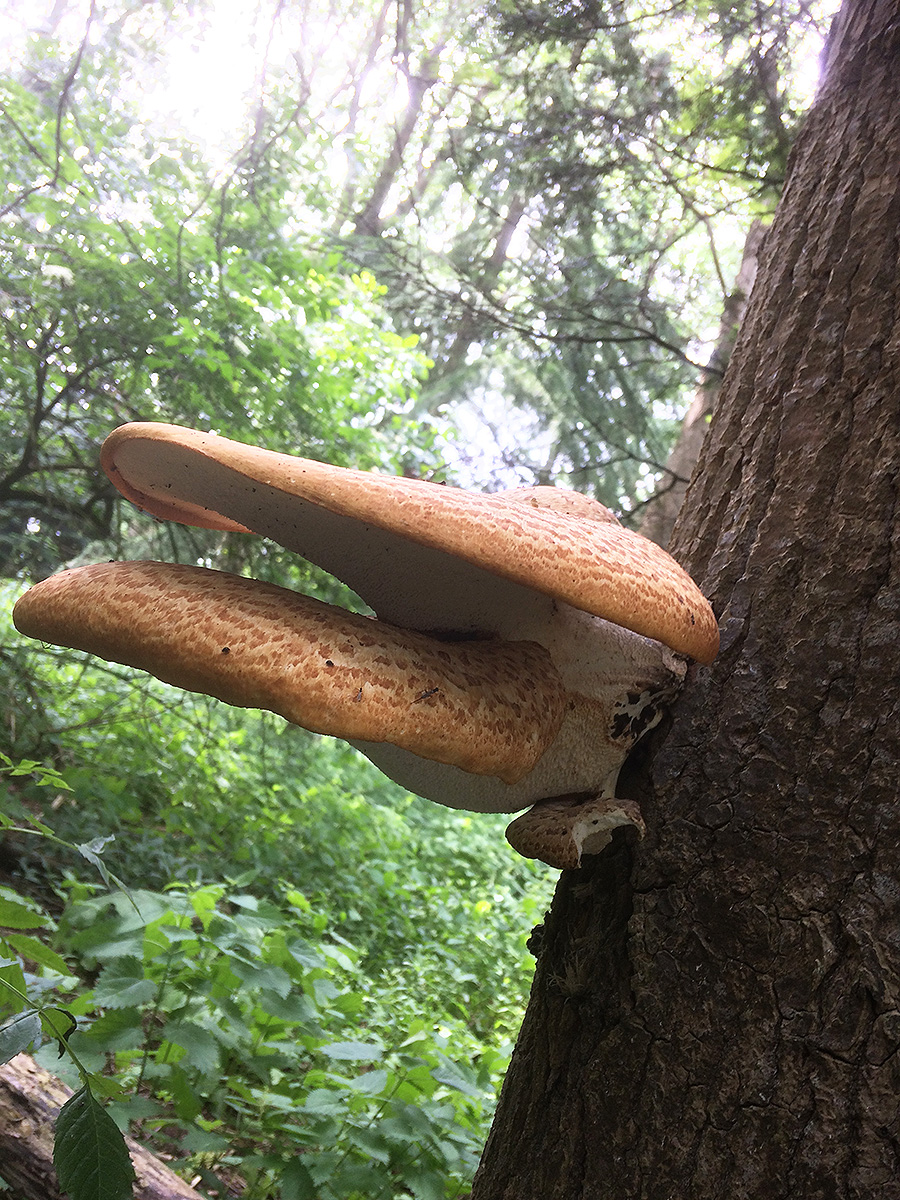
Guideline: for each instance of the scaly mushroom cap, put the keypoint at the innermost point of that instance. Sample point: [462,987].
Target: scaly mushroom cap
[560,831]
[365,529]
[491,707]
[524,641]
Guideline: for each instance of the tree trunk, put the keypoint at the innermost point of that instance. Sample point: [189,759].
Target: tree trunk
[716,1010]
[662,509]
[368,220]
[30,1100]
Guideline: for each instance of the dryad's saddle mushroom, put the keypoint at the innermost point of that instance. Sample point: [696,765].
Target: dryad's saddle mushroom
[523,641]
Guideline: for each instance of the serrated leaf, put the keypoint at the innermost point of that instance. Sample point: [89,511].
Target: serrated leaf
[272,979]
[90,1155]
[355,1178]
[324,1101]
[295,1008]
[122,984]
[372,1143]
[370,1083]
[105,1087]
[117,1029]
[424,1184]
[18,1034]
[188,1102]
[200,1047]
[296,1182]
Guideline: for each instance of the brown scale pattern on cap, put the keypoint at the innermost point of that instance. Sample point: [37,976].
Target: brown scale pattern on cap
[489,708]
[559,831]
[562,550]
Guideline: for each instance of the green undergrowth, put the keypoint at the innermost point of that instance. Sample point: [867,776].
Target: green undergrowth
[308,980]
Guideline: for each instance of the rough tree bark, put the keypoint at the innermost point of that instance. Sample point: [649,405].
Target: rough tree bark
[716,1010]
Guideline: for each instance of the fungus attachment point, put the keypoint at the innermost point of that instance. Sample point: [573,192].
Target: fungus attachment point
[560,831]
[523,641]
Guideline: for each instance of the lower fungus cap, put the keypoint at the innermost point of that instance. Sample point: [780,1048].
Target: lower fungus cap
[487,707]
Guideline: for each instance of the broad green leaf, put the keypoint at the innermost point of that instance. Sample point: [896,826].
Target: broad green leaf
[18,1034]
[14,914]
[123,985]
[59,1024]
[424,1184]
[353,1051]
[118,1029]
[364,1179]
[106,1087]
[445,1074]
[187,1100]
[371,1142]
[271,978]
[296,1182]
[36,951]
[11,996]
[201,1049]
[296,1008]
[370,1083]
[324,1101]
[89,1154]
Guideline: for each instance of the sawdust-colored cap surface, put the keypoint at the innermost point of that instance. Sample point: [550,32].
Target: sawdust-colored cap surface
[491,708]
[568,550]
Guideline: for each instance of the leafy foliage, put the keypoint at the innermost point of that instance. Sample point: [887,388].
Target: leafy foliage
[132,288]
[249,1030]
[324,1003]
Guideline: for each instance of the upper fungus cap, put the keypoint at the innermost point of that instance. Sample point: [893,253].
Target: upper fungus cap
[547,540]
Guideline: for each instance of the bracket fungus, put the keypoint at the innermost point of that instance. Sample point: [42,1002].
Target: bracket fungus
[523,641]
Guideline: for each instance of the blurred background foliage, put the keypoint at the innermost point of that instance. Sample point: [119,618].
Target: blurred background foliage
[483,243]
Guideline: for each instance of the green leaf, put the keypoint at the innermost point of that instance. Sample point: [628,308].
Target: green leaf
[296,1182]
[188,1102]
[90,1154]
[118,1029]
[18,1034]
[273,979]
[36,951]
[200,1047]
[372,1143]
[92,851]
[122,985]
[355,1178]
[325,1102]
[370,1083]
[11,996]
[105,1086]
[59,1023]
[448,1076]
[353,1051]
[295,1008]
[424,1184]
[15,915]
